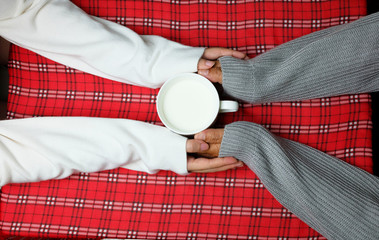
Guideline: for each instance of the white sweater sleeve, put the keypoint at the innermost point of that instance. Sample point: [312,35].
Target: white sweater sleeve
[37,149]
[59,30]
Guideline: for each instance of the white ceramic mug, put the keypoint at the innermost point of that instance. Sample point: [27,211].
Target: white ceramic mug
[189,103]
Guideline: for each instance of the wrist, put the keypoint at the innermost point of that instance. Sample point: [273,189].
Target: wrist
[237,77]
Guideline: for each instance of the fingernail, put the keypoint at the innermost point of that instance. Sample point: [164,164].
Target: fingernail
[203,72]
[209,63]
[240,164]
[200,136]
[230,160]
[204,146]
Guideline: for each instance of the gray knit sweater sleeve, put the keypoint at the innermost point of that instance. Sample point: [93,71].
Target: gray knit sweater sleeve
[336,199]
[335,61]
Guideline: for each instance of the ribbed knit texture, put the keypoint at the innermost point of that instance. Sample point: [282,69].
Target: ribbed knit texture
[335,61]
[336,199]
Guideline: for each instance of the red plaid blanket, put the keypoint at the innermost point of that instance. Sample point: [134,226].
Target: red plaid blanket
[227,205]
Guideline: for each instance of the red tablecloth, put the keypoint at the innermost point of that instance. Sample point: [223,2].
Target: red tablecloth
[226,205]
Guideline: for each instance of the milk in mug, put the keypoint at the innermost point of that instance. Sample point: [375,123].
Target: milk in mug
[189,105]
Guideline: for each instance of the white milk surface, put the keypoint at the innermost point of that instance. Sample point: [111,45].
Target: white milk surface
[189,105]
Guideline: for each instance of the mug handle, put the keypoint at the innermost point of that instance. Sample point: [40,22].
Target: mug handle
[228,106]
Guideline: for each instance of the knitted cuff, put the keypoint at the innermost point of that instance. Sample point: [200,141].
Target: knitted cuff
[237,77]
[238,137]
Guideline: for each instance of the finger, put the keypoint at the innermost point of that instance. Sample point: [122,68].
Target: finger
[213,74]
[224,168]
[238,54]
[215,53]
[205,64]
[212,152]
[202,148]
[211,135]
[197,164]
[196,146]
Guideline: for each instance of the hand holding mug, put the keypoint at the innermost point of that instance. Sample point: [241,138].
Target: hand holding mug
[212,137]
[214,74]
[213,53]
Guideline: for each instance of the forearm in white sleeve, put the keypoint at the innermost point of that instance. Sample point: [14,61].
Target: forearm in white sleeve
[38,149]
[59,30]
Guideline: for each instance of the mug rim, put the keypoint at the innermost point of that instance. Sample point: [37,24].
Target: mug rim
[178,77]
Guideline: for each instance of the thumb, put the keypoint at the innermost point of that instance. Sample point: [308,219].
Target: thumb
[213,74]
[205,64]
[196,146]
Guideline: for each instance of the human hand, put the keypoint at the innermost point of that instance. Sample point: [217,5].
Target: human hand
[213,137]
[214,74]
[208,60]
[205,165]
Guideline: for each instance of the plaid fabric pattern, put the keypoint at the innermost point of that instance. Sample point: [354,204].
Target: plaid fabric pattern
[226,205]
